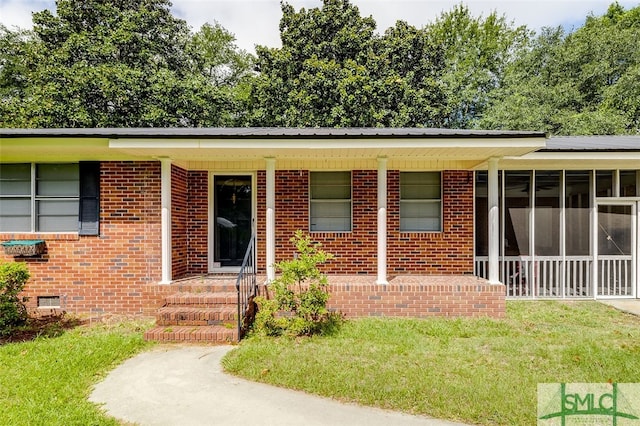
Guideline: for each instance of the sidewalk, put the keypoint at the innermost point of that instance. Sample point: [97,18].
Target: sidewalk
[185,385]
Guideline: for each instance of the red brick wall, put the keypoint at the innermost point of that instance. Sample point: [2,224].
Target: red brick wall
[198,222]
[110,272]
[447,252]
[179,225]
[450,299]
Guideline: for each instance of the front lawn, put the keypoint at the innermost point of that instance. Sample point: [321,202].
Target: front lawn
[47,381]
[480,371]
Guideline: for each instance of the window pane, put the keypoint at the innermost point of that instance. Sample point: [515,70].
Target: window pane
[517,205]
[482,215]
[58,180]
[614,230]
[604,183]
[628,183]
[57,216]
[420,216]
[330,216]
[330,185]
[420,185]
[330,205]
[577,208]
[547,214]
[15,215]
[15,179]
[415,214]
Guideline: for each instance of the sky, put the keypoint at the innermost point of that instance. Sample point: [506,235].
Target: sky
[256,21]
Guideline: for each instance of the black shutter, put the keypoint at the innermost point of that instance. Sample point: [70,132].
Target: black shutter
[89,198]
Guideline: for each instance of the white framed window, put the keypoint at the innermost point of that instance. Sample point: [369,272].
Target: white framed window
[420,201]
[330,202]
[39,197]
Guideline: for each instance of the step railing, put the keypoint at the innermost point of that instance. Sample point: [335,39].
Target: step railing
[247,289]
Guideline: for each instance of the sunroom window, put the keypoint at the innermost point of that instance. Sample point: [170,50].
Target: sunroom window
[39,197]
[330,201]
[420,201]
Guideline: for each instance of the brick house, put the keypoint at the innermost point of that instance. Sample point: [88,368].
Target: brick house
[127,214]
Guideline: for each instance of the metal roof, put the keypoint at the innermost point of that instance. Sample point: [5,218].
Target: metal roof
[593,143]
[265,133]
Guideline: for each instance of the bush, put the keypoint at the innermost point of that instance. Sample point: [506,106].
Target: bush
[299,306]
[13,277]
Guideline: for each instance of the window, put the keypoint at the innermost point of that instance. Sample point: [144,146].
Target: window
[49,197]
[420,201]
[330,204]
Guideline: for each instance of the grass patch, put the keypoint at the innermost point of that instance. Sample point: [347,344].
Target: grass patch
[481,371]
[47,381]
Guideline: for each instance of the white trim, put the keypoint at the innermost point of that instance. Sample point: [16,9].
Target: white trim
[271,217]
[382,221]
[165,202]
[494,221]
[212,269]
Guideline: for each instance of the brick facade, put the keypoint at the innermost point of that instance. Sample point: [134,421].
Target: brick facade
[117,271]
[447,252]
[112,272]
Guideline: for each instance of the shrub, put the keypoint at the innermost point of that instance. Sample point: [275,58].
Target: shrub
[13,277]
[299,304]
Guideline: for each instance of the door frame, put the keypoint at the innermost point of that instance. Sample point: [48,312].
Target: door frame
[634,203]
[211,264]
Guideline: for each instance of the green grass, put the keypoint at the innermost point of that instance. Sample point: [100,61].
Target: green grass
[481,371]
[47,381]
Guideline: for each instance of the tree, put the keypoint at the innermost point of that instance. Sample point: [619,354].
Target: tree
[121,63]
[333,71]
[476,52]
[585,82]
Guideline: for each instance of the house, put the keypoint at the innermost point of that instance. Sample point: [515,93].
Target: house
[127,214]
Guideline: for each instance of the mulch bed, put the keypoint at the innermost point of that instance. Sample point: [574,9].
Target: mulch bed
[45,326]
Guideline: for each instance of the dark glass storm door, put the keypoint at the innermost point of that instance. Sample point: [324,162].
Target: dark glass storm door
[232,214]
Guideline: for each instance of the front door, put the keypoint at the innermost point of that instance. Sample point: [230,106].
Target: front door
[616,257]
[232,214]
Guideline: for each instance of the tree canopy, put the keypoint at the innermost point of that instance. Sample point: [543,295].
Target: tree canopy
[124,63]
[131,63]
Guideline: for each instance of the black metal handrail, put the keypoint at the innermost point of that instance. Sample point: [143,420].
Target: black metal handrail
[247,289]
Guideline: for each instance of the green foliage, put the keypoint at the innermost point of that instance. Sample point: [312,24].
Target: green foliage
[129,63]
[299,304]
[585,82]
[334,71]
[13,277]
[460,369]
[47,381]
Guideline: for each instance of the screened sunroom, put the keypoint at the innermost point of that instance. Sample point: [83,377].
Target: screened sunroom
[565,232]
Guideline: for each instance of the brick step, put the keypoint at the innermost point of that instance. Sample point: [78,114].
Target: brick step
[204,286]
[204,299]
[192,334]
[187,315]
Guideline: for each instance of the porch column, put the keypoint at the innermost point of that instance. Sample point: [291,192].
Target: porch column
[494,222]
[382,221]
[165,224]
[271,218]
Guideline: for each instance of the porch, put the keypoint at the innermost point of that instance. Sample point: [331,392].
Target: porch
[204,308]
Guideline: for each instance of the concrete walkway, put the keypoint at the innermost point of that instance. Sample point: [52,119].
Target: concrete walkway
[185,385]
[630,306]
